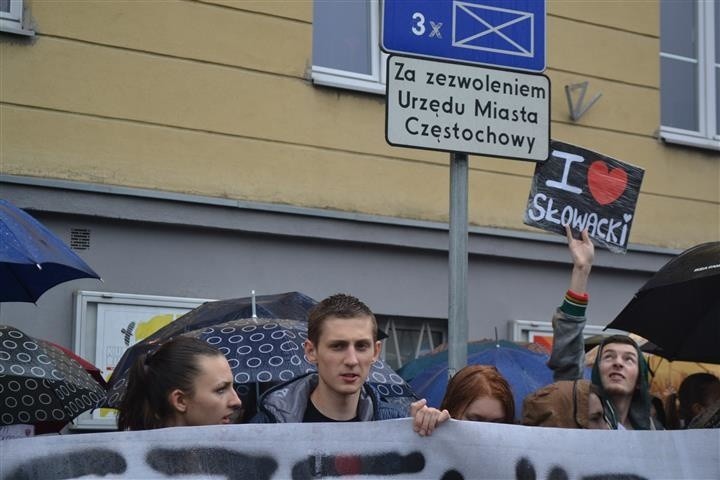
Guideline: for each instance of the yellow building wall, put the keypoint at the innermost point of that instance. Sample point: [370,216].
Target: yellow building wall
[214,99]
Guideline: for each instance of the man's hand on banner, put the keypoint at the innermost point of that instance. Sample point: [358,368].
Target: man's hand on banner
[426,419]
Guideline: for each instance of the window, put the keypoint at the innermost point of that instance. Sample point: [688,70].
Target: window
[11,17]
[346,45]
[542,332]
[409,338]
[690,72]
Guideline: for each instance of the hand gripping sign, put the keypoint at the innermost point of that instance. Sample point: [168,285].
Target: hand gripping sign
[585,189]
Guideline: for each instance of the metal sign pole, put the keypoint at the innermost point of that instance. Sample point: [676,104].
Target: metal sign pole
[458,262]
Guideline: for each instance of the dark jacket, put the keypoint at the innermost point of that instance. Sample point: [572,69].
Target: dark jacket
[286,403]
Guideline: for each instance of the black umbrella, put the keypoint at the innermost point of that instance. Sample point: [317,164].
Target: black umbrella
[32,258]
[289,306]
[678,309]
[260,351]
[40,383]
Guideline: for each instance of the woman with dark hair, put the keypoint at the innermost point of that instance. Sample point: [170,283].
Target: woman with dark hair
[479,393]
[185,382]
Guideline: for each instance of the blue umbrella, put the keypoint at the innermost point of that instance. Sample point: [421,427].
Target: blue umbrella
[412,369]
[524,370]
[32,258]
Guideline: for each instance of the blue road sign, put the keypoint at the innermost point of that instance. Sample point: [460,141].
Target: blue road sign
[502,33]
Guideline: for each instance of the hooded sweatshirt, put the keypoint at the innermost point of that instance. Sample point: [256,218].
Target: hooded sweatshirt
[639,414]
[568,357]
[562,404]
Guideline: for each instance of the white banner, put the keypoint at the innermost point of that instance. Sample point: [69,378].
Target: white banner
[374,450]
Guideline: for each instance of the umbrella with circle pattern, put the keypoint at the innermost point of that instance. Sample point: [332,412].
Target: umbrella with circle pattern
[261,350]
[39,383]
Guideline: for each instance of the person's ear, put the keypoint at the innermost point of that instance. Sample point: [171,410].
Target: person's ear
[378,349]
[178,400]
[310,351]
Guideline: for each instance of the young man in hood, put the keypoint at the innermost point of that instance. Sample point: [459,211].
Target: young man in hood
[343,344]
[620,370]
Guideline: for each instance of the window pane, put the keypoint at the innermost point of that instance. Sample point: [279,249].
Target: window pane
[717,31]
[679,105]
[341,35]
[5,6]
[678,28]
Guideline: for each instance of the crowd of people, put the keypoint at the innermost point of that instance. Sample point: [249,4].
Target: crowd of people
[185,382]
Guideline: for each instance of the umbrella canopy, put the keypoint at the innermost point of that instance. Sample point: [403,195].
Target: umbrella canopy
[666,376]
[439,356]
[87,366]
[524,370]
[259,350]
[32,258]
[40,383]
[290,306]
[678,309]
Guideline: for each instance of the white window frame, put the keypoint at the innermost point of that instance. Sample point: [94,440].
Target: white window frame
[707,135]
[520,330]
[370,83]
[425,343]
[12,21]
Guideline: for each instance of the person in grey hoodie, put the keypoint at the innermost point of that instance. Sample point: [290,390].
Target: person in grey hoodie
[342,343]
[620,370]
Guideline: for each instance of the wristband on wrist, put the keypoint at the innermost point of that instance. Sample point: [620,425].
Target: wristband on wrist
[574,303]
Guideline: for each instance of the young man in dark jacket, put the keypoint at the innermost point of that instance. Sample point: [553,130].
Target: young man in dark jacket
[342,342]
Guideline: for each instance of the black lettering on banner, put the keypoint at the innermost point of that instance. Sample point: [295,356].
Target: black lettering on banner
[319,466]
[211,461]
[452,475]
[614,476]
[96,461]
[557,473]
[525,470]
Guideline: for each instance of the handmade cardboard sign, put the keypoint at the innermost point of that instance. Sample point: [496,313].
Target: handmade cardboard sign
[586,190]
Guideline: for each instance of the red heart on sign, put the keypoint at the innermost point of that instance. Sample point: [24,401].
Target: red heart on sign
[606,185]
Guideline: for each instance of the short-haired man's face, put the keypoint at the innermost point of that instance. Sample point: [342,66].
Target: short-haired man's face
[619,369]
[344,354]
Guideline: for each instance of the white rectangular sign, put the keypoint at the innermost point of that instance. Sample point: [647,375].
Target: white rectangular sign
[460,108]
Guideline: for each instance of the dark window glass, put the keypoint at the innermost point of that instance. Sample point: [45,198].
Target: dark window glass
[678,27]
[341,35]
[679,105]
[717,31]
